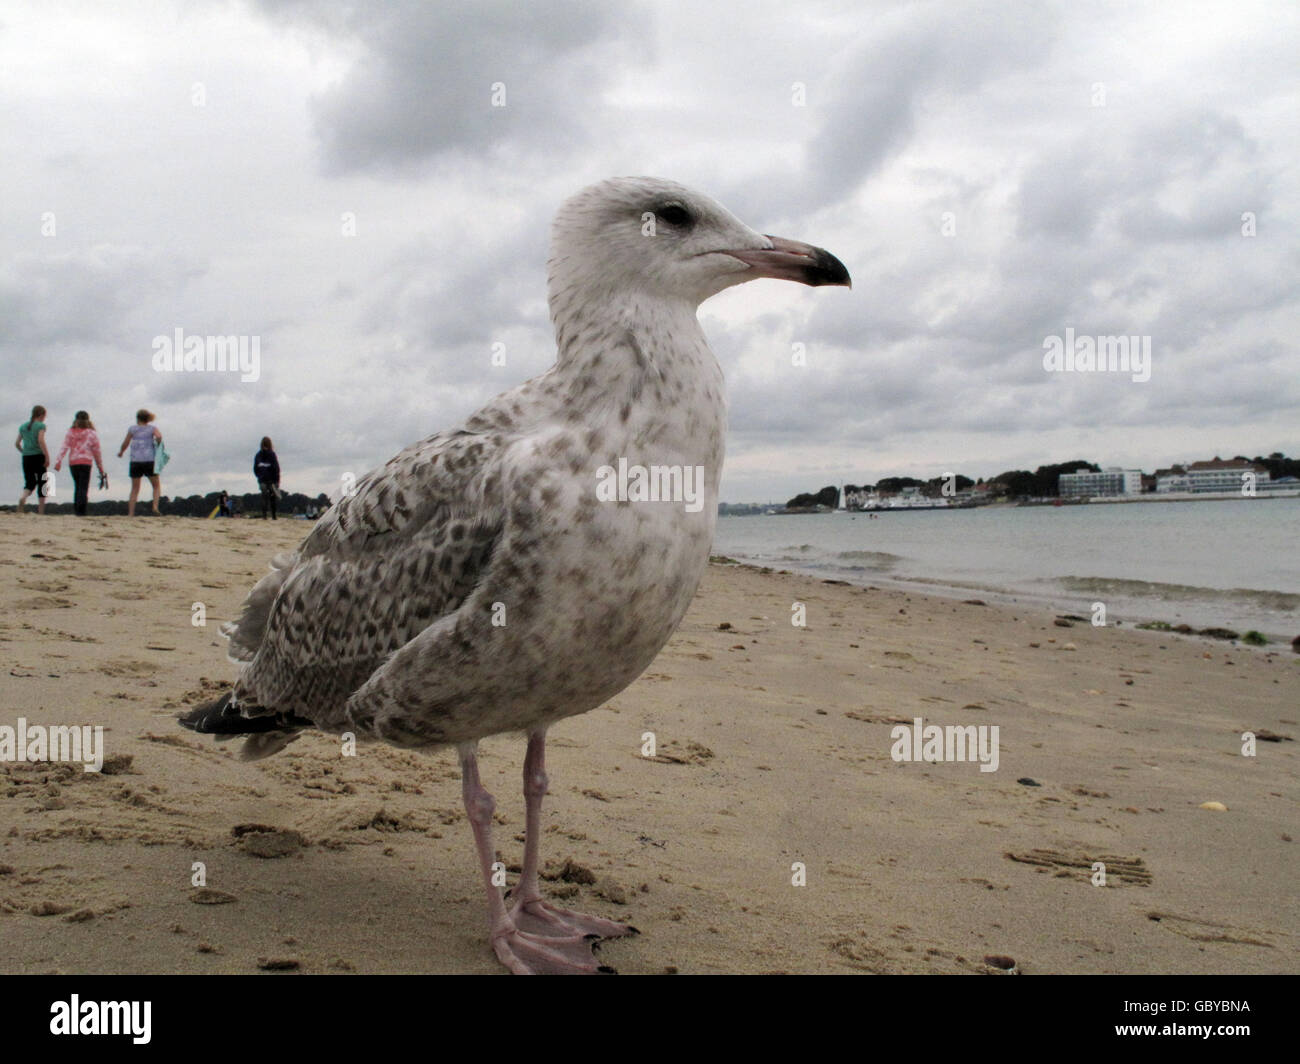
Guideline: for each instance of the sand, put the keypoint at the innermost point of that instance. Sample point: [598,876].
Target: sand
[772,746]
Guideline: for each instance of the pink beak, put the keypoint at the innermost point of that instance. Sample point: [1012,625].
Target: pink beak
[793,260]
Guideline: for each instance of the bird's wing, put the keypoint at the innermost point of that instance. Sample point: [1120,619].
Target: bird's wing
[402,551]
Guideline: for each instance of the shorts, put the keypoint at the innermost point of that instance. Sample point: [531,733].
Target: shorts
[141,469]
[34,473]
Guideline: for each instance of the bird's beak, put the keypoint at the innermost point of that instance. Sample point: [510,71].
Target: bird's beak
[792,260]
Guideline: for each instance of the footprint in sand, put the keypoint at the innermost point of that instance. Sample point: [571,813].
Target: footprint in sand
[128,668]
[1120,871]
[1209,931]
[44,602]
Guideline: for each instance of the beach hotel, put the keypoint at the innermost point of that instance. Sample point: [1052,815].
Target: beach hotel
[1113,481]
[1215,475]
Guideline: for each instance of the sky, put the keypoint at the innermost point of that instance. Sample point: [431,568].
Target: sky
[365,191]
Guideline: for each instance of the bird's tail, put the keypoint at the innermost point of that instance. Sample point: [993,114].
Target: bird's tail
[246,634]
[266,731]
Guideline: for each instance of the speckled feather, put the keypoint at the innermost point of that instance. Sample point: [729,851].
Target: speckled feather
[386,622]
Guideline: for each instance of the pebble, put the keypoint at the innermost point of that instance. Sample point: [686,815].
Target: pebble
[611,891]
[262,841]
[116,764]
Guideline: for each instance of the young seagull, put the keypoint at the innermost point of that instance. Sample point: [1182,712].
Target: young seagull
[478,583]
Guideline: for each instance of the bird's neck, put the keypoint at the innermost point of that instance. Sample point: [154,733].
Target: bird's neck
[619,331]
[643,367]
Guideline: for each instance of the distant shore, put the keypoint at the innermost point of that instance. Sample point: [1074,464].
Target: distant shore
[1208,496]
[1203,496]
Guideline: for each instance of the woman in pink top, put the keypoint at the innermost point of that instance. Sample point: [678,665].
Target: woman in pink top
[81,445]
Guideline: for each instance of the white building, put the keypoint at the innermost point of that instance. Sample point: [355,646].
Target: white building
[1221,475]
[1113,481]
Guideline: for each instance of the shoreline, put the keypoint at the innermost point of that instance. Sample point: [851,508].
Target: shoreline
[773,748]
[1023,600]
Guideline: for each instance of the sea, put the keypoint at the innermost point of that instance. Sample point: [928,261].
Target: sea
[1229,564]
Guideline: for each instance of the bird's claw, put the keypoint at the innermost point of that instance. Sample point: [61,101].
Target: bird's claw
[541,918]
[528,954]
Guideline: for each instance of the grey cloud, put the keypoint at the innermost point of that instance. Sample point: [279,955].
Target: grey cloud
[1119,170]
[83,295]
[421,86]
[880,83]
[1123,219]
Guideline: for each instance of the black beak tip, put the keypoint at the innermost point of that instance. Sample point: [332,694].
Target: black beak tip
[827,269]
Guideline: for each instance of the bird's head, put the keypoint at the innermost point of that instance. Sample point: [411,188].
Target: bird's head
[658,237]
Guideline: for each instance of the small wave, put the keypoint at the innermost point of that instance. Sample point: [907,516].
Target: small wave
[963,585]
[802,548]
[1282,601]
[874,559]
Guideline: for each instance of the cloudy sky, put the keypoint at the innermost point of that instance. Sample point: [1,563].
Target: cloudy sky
[333,179]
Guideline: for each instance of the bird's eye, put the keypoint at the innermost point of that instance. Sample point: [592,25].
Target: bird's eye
[675,214]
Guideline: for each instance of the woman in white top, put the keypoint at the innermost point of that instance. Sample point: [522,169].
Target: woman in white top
[143,439]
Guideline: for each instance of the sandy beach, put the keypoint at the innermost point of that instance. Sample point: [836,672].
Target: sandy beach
[772,749]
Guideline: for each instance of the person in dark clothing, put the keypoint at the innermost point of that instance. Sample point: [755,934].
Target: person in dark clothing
[266,467]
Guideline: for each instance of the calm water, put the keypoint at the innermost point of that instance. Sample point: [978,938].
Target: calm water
[1233,563]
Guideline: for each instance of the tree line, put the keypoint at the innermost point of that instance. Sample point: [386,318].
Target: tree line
[249,504]
[1042,482]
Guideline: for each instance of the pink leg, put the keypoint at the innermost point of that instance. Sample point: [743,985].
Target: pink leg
[530,911]
[523,953]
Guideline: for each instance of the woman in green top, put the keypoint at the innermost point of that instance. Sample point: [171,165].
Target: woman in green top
[36,458]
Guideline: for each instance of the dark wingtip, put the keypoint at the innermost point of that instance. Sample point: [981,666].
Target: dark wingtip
[201,718]
[224,717]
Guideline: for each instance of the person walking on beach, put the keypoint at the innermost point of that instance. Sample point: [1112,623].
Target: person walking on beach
[143,439]
[266,467]
[81,445]
[36,458]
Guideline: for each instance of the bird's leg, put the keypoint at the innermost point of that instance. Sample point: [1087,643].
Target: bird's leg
[536,783]
[530,911]
[520,951]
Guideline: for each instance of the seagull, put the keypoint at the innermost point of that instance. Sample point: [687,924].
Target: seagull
[527,566]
